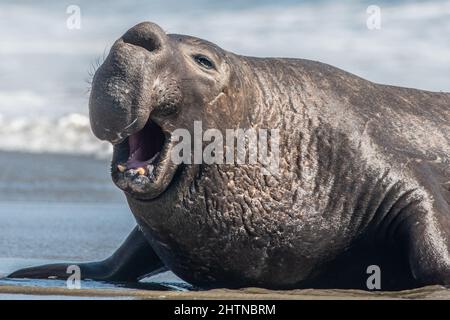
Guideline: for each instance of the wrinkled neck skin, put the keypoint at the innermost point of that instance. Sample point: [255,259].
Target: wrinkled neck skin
[325,153]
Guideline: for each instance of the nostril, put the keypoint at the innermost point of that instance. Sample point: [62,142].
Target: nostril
[148,41]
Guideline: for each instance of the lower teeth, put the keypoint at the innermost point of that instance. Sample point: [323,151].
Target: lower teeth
[141,171]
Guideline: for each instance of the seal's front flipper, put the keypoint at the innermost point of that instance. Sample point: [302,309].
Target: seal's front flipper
[133,260]
[427,226]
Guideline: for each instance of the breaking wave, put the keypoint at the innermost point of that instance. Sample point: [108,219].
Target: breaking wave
[69,134]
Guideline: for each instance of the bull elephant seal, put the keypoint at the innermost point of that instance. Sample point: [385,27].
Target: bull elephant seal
[364,176]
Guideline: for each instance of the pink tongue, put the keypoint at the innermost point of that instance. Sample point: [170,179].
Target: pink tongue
[134,162]
[137,153]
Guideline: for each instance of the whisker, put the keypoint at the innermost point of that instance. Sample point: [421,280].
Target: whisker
[93,68]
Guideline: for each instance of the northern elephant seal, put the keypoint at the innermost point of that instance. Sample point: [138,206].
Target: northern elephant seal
[364,175]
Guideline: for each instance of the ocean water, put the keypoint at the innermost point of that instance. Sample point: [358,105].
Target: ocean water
[61,208]
[44,66]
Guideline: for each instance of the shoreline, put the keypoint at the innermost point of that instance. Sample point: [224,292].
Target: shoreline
[431,292]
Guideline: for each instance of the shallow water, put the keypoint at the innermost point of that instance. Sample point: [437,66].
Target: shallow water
[61,209]
[54,178]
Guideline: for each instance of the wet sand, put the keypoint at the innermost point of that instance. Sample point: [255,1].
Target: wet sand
[25,292]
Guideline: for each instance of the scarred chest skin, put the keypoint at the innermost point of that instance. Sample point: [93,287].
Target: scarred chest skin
[344,176]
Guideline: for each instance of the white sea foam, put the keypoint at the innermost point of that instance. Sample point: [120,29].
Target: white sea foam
[69,134]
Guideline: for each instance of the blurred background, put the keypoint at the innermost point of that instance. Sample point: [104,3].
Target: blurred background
[56,198]
[44,66]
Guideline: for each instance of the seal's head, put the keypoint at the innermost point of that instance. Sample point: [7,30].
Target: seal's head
[151,84]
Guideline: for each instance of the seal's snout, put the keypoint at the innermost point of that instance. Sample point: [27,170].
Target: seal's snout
[133,99]
[122,95]
[146,35]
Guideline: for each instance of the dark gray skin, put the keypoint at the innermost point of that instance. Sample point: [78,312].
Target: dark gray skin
[364,171]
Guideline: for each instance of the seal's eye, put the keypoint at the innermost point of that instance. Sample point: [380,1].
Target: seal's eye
[203,61]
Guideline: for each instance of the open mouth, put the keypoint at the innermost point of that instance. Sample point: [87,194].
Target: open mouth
[145,147]
[141,164]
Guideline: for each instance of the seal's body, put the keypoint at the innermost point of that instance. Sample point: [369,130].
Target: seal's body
[363,179]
